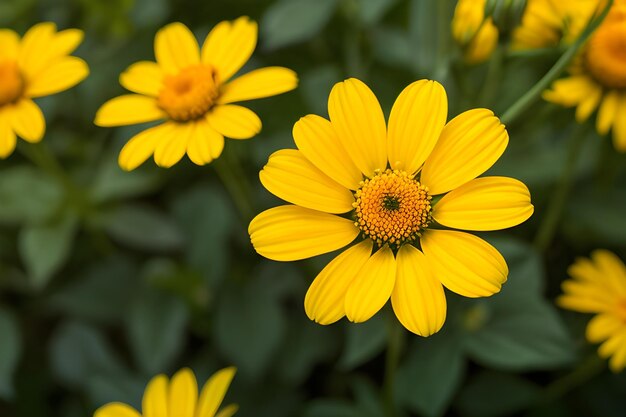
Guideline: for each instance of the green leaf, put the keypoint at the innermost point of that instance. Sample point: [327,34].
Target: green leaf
[371,11]
[494,394]
[249,327]
[156,330]
[27,195]
[432,372]
[334,408]
[44,249]
[364,341]
[315,85]
[392,47]
[142,227]
[10,347]
[291,21]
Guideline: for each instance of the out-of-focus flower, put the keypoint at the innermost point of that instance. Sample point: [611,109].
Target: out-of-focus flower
[473,31]
[37,65]
[357,177]
[189,89]
[179,397]
[598,286]
[597,78]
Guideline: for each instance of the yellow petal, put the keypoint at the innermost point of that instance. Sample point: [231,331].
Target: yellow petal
[464,263]
[489,203]
[35,47]
[66,41]
[7,135]
[214,391]
[173,146]
[228,411]
[128,110]
[205,145]
[9,44]
[418,298]
[175,48]
[372,287]
[229,46]
[260,83]
[570,91]
[142,145]
[183,394]
[317,140]
[143,77]
[588,104]
[234,122]
[469,145]
[602,326]
[618,358]
[607,112]
[324,301]
[154,402]
[289,233]
[360,124]
[290,176]
[619,126]
[27,120]
[612,270]
[61,75]
[415,123]
[116,410]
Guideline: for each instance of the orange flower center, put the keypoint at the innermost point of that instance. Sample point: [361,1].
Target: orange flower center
[605,56]
[11,82]
[189,94]
[392,207]
[621,310]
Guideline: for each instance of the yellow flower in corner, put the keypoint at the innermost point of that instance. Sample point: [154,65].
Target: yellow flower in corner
[179,397]
[189,89]
[478,36]
[598,286]
[35,66]
[391,191]
[597,78]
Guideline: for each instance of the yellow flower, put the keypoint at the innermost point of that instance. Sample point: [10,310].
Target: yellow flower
[547,23]
[478,36]
[35,66]
[598,285]
[393,186]
[188,88]
[598,78]
[178,397]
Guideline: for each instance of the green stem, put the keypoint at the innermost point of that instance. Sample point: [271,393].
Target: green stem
[392,360]
[550,222]
[494,76]
[587,370]
[533,94]
[233,178]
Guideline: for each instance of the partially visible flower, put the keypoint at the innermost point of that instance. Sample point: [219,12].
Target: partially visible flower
[179,397]
[597,78]
[476,34]
[189,89]
[360,182]
[598,286]
[35,66]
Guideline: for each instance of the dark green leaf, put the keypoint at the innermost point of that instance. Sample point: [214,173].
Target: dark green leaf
[334,408]
[371,11]
[10,346]
[364,341]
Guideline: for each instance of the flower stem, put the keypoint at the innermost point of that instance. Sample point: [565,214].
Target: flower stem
[232,175]
[494,76]
[533,94]
[392,359]
[550,222]
[585,371]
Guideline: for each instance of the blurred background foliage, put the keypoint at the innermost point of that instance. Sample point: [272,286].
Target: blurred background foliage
[107,278]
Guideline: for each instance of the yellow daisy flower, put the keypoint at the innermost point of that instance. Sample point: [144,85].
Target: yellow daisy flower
[188,88]
[35,66]
[394,187]
[597,78]
[478,36]
[598,285]
[179,397]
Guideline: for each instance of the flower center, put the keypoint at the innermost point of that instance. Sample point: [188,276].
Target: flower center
[392,208]
[605,56]
[11,82]
[621,310]
[189,94]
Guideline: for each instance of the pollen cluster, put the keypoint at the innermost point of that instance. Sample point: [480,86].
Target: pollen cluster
[11,82]
[189,94]
[392,207]
[605,56]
